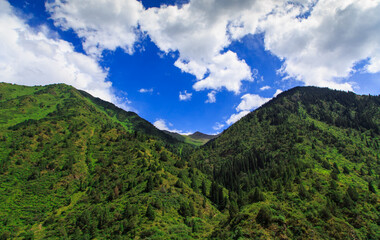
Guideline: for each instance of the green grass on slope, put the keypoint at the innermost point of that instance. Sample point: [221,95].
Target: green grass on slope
[73,172]
[195,142]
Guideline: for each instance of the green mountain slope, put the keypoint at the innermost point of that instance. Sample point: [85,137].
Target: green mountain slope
[201,137]
[175,135]
[74,168]
[129,120]
[23,103]
[304,165]
[196,139]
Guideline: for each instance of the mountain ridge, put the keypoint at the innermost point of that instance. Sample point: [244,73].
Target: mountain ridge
[197,138]
[68,169]
[304,165]
[293,152]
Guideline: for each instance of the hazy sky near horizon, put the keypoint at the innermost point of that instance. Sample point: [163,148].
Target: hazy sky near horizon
[197,65]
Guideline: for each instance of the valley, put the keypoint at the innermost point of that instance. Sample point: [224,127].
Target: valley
[305,165]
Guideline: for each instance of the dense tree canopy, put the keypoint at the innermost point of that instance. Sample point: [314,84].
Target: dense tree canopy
[304,165]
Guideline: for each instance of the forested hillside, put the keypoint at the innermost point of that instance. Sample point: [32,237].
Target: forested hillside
[70,170]
[196,139]
[305,165]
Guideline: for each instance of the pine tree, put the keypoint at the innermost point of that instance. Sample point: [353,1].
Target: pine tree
[233,209]
[214,193]
[194,183]
[354,195]
[264,217]
[150,214]
[221,201]
[303,192]
[371,187]
[184,210]
[149,184]
[256,196]
[347,201]
[192,209]
[204,189]
[336,169]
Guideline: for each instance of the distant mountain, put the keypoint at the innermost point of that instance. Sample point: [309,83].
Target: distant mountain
[196,138]
[306,165]
[202,136]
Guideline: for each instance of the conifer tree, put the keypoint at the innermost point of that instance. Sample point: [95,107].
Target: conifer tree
[264,217]
[150,214]
[204,189]
[149,184]
[371,188]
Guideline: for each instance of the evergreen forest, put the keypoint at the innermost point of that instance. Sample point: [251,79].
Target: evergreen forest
[305,165]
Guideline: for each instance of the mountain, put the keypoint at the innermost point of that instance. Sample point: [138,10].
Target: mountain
[196,139]
[130,120]
[175,135]
[75,167]
[304,165]
[202,136]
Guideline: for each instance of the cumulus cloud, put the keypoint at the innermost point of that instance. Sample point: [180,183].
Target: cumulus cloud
[251,101]
[278,91]
[200,31]
[162,125]
[31,57]
[211,97]
[323,48]
[236,117]
[265,88]
[144,90]
[227,71]
[102,24]
[185,96]
[319,41]
[248,103]
[374,64]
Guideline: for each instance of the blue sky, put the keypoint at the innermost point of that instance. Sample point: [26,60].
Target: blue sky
[192,65]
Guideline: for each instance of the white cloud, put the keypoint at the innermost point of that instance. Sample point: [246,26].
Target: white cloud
[320,49]
[211,97]
[226,71]
[31,57]
[278,91]
[323,49]
[218,126]
[144,90]
[200,30]
[185,96]
[265,88]
[162,125]
[236,117]
[250,102]
[374,64]
[103,24]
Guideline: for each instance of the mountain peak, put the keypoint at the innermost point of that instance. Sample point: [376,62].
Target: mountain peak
[199,135]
